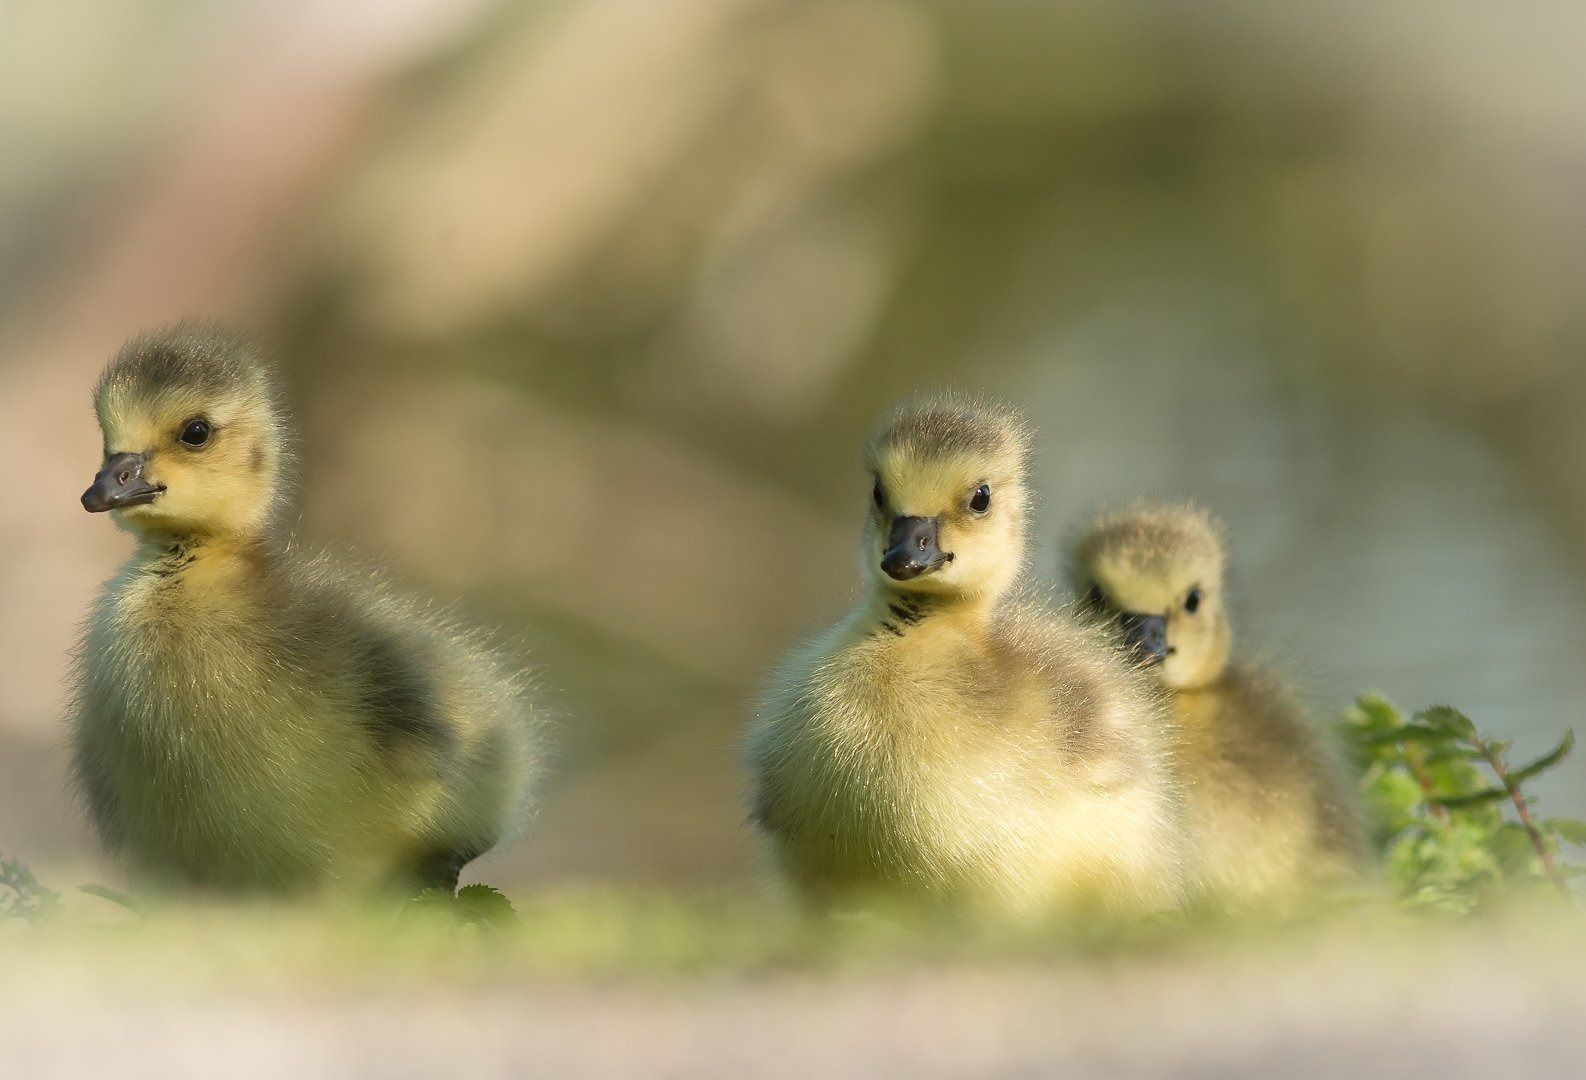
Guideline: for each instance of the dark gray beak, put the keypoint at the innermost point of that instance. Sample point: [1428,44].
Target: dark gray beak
[912,549]
[1146,635]
[120,483]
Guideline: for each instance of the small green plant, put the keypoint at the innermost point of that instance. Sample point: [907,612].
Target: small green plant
[477,906]
[21,895]
[1454,824]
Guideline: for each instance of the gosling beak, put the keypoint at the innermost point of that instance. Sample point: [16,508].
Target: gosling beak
[120,483]
[912,550]
[1146,635]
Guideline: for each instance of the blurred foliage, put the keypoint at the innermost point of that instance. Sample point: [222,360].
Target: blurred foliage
[21,895]
[476,907]
[1455,827]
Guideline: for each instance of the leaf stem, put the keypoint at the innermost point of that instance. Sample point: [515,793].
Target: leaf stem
[1495,761]
[1412,758]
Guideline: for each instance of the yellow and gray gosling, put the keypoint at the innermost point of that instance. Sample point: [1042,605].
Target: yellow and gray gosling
[1272,816]
[252,720]
[949,746]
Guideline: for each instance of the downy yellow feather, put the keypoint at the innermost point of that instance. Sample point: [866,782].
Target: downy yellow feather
[953,743]
[1271,814]
[251,719]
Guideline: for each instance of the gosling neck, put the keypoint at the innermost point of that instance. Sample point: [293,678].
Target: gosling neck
[896,613]
[167,554]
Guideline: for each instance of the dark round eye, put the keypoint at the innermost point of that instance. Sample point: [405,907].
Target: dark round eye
[1192,602]
[879,496]
[196,433]
[980,501]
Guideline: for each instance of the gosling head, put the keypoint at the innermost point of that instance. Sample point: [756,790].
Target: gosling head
[1159,571]
[194,436]
[948,500]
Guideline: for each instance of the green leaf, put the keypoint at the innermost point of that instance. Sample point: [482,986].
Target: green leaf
[433,901]
[1394,795]
[1474,798]
[105,892]
[1566,829]
[27,899]
[1451,776]
[1448,720]
[1374,711]
[1405,733]
[1447,753]
[1511,847]
[485,905]
[1546,761]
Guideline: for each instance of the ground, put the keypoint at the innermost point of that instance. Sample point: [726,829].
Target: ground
[606,986]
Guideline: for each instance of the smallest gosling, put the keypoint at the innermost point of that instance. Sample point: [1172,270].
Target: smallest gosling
[1271,815]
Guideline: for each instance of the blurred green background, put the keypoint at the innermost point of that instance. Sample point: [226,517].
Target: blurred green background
[588,305]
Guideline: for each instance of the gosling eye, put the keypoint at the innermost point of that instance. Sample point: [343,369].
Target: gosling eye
[878,496]
[1192,602]
[196,433]
[980,501]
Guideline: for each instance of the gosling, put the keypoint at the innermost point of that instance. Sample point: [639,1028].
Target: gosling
[1272,817]
[948,746]
[251,720]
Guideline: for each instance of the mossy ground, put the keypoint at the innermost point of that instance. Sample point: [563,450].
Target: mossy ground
[603,934]
[619,984]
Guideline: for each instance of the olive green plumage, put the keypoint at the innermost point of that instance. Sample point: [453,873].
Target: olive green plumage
[252,719]
[1272,815]
[950,743]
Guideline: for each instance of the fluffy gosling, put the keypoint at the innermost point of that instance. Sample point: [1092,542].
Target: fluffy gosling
[946,744]
[252,720]
[1272,816]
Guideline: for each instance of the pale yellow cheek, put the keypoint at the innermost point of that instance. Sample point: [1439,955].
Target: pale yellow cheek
[1200,652]
[236,500]
[989,549]
[214,491]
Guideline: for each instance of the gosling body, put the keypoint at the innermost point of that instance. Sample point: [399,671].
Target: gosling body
[949,744]
[1273,819]
[253,719]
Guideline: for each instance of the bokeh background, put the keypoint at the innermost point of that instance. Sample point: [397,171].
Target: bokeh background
[587,306]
